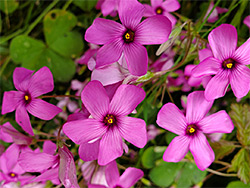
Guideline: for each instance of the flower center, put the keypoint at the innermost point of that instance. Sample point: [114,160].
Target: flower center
[159,10]
[228,63]
[191,129]
[27,98]
[12,175]
[129,36]
[109,120]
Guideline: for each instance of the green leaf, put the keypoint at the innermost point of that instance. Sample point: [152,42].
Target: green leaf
[57,30]
[152,154]
[33,54]
[222,148]
[237,184]
[164,173]
[85,5]
[8,6]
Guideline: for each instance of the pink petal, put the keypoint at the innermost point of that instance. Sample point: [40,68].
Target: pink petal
[209,66]
[242,54]
[171,18]
[149,11]
[171,5]
[247,21]
[36,162]
[89,151]
[5,136]
[201,150]
[21,77]
[197,107]
[126,99]
[130,176]
[205,53]
[103,31]
[108,7]
[172,119]
[95,99]
[109,53]
[11,99]
[49,147]
[156,3]
[217,86]
[51,174]
[133,130]
[23,119]
[223,41]
[81,131]
[112,174]
[130,13]
[41,82]
[219,122]
[137,58]
[153,30]
[110,147]
[177,149]
[67,168]
[240,80]
[43,110]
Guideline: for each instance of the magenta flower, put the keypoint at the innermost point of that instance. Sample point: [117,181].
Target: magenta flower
[228,64]
[191,129]
[25,99]
[160,7]
[129,37]
[129,177]
[214,16]
[246,21]
[109,123]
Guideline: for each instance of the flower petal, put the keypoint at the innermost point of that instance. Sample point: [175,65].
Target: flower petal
[217,86]
[130,176]
[130,13]
[108,7]
[95,99]
[51,174]
[172,119]
[136,56]
[177,149]
[11,99]
[23,119]
[5,136]
[81,131]
[110,147]
[209,66]
[133,130]
[89,151]
[201,150]
[43,110]
[247,21]
[242,54]
[205,53]
[149,11]
[153,30]
[219,122]
[41,82]
[49,147]
[223,41]
[156,3]
[112,174]
[126,99]
[21,77]
[197,107]
[103,31]
[240,80]
[171,5]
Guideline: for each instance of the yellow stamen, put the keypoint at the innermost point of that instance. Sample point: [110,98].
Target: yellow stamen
[26,97]
[158,11]
[110,120]
[127,36]
[191,130]
[12,174]
[229,65]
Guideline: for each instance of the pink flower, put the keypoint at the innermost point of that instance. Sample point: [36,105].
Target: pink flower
[109,123]
[160,7]
[214,16]
[247,21]
[25,99]
[129,177]
[109,7]
[129,37]
[88,54]
[191,129]
[228,64]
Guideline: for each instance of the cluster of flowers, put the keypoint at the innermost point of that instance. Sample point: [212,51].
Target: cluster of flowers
[102,124]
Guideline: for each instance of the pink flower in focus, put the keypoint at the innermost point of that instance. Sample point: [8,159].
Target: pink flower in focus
[191,129]
[129,37]
[228,63]
[160,7]
[25,99]
[109,123]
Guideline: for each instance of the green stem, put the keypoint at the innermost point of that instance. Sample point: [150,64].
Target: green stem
[66,5]
[5,65]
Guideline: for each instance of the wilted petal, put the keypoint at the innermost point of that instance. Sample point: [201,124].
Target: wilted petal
[242,54]
[197,107]
[21,77]
[130,176]
[223,41]
[43,110]
[177,149]
[240,80]
[201,150]
[137,58]
[89,151]
[110,147]
[126,99]
[171,5]
[23,119]
[218,122]
[95,99]
[11,99]
[172,119]
[49,147]
[112,174]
